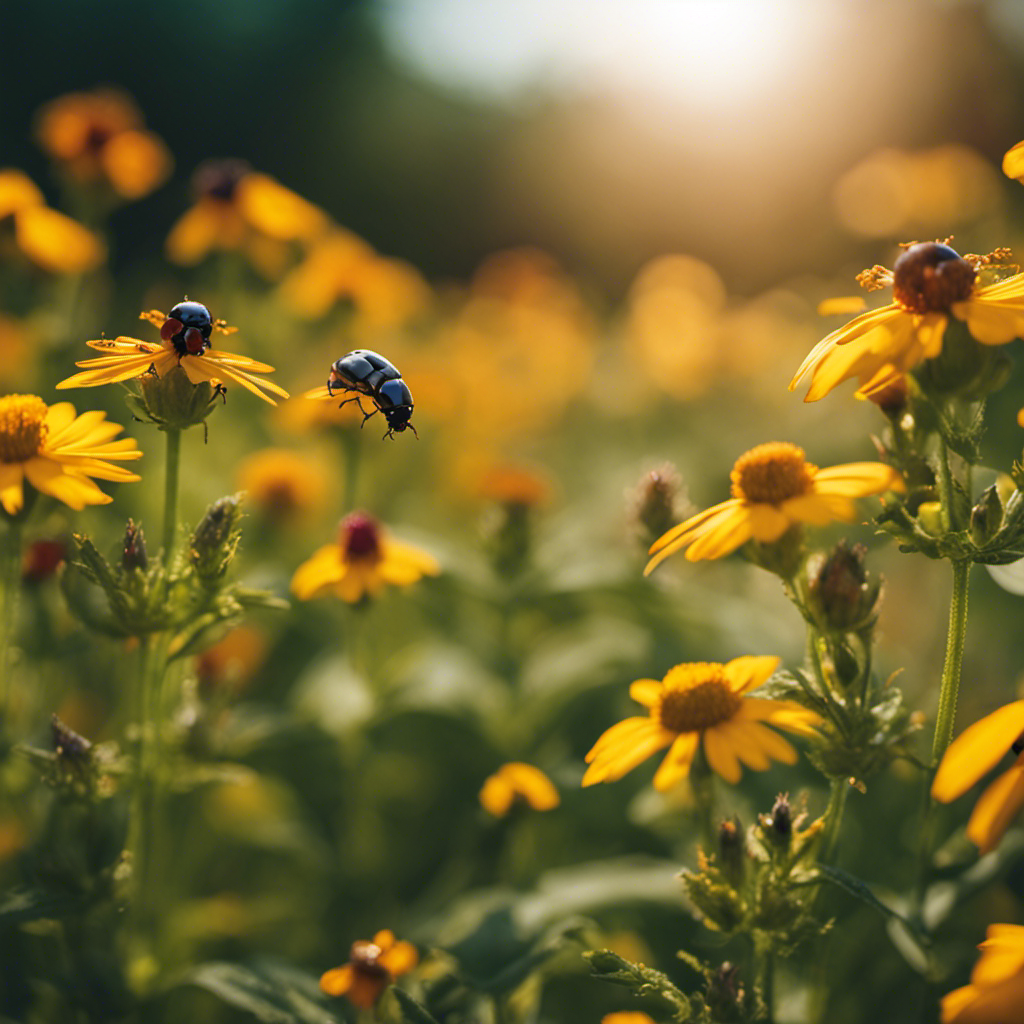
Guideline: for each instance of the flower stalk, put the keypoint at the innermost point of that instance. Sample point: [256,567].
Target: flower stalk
[950,684]
[171,474]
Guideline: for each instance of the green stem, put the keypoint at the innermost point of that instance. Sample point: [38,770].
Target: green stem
[350,440]
[954,658]
[765,961]
[945,481]
[171,471]
[703,788]
[833,818]
[10,585]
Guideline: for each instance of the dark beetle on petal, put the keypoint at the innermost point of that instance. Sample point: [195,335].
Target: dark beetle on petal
[188,328]
[370,374]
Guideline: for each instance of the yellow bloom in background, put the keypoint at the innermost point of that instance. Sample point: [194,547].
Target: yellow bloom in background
[238,209]
[627,1017]
[282,483]
[518,781]
[99,137]
[695,701]
[127,358]
[996,992]
[232,661]
[360,563]
[514,484]
[974,753]
[930,282]
[49,239]
[774,487]
[371,967]
[1013,162]
[58,452]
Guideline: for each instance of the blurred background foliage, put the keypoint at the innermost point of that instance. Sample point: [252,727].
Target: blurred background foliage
[593,237]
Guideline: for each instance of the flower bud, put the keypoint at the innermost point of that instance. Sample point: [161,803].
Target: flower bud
[777,826]
[654,502]
[134,555]
[173,401]
[841,590]
[986,516]
[929,515]
[725,995]
[41,560]
[732,850]
[216,539]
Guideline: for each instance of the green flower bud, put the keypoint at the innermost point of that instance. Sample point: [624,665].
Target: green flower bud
[654,502]
[777,827]
[134,556]
[216,539]
[725,995]
[929,515]
[841,591]
[732,851]
[173,401]
[986,516]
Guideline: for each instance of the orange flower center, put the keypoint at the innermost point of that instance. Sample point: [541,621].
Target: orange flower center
[930,277]
[360,538]
[22,427]
[365,960]
[696,697]
[771,473]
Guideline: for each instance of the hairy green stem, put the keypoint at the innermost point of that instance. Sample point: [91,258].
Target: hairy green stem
[945,481]
[954,658]
[833,818]
[171,472]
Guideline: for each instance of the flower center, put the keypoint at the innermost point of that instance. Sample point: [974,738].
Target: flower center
[929,278]
[218,179]
[22,427]
[365,959]
[360,538]
[696,697]
[771,473]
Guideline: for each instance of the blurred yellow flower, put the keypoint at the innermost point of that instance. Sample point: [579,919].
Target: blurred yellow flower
[232,660]
[237,208]
[1013,162]
[996,992]
[127,358]
[52,241]
[57,452]
[360,563]
[282,483]
[930,281]
[98,136]
[511,484]
[699,700]
[974,753]
[517,781]
[774,488]
[627,1017]
[371,967]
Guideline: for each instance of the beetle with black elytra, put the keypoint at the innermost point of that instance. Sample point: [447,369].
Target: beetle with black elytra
[370,374]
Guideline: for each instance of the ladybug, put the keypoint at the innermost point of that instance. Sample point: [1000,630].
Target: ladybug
[370,374]
[187,328]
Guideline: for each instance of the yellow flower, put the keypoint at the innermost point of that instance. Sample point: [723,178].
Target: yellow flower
[371,967]
[283,483]
[182,345]
[52,241]
[701,699]
[58,452]
[359,564]
[626,1017]
[996,992]
[238,209]
[774,488]
[99,136]
[976,751]
[1013,162]
[517,780]
[930,281]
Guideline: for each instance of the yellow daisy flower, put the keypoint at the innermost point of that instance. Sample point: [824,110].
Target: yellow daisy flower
[695,700]
[50,240]
[99,136]
[371,967]
[517,780]
[57,452]
[239,209]
[996,992]
[359,564]
[284,484]
[974,753]
[627,1017]
[930,281]
[186,337]
[774,488]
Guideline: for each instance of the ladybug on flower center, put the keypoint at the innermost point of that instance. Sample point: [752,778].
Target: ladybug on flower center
[188,327]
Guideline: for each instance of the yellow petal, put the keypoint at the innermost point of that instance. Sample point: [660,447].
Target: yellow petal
[353,584]
[400,958]
[197,231]
[751,736]
[645,691]
[676,764]
[337,981]
[17,192]
[977,750]
[858,479]
[749,672]
[277,211]
[323,568]
[531,784]
[12,495]
[990,323]
[1002,954]
[995,809]
[841,304]
[1013,162]
[721,756]
[496,796]
[622,760]
[57,243]
[135,162]
[767,523]
[74,491]
[725,537]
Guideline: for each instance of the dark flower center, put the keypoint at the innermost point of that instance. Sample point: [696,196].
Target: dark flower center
[365,960]
[360,537]
[218,179]
[930,277]
[696,697]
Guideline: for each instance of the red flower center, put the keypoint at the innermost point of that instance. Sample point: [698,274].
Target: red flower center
[360,537]
[929,278]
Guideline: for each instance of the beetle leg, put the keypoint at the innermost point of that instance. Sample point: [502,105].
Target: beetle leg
[413,429]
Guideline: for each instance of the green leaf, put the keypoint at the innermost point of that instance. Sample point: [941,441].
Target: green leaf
[29,904]
[412,1012]
[273,993]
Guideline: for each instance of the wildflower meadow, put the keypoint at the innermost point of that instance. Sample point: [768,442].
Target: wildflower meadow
[462,563]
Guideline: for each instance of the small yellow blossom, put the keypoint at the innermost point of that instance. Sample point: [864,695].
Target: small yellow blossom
[974,753]
[517,780]
[996,992]
[57,452]
[626,1017]
[232,661]
[284,484]
[99,136]
[358,565]
[930,282]
[371,967]
[49,239]
[237,208]
[774,488]
[183,345]
[702,700]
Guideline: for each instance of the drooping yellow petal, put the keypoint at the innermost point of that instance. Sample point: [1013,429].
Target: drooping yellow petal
[858,479]
[783,714]
[12,495]
[337,981]
[750,671]
[998,1004]
[977,750]
[619,734]
[721,755]
[17,191]
[1013,161]
[277,211]
[751,736]
[645,691]
[1002,954]
[198,230]
[722,539]
[353,584]
[991,323]
[496,796]
[677,762]
[767,522]
[532,784]
[75,491]
[135,162]
[56,242]
[322,569]
[812,509]
[620,760]
[996,808]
